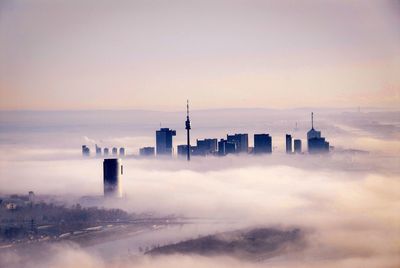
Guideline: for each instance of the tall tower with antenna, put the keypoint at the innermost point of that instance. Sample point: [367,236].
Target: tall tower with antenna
[187,124]
[312,120]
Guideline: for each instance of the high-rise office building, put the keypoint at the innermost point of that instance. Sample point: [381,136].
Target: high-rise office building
[85,150]
[122,151]
[164,141]
[147,151]
[105,151]
[241,141]
[288,144]
[206,146]
[112,171]
[316,143]
[297,146]
[182,150]
[225,147]
[114,151]
[262,143]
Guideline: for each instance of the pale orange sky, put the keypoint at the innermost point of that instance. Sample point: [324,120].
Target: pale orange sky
[220,54]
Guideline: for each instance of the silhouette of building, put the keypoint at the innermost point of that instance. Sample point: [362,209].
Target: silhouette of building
[85,150]
[262,144]
[225,147]
[182,150]
[146,151]
[164,141]
[187,127]
[112,171]
[206,146]
[31,196]
[114,151]
[122,151]
[98,150]
[288,144]
[241,141]
[105,151]
[316,143]
[297,146]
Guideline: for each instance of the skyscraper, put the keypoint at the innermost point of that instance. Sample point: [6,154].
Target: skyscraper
[225,147]
[182,150]
[164,141]
[112,171]
[114,151]
[262,143]
[316,143]
[297,146]
[206,146]
[288,144]
[122,151]
[241,141]
[187,127]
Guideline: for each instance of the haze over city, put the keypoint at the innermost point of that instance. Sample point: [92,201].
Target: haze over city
[199,133]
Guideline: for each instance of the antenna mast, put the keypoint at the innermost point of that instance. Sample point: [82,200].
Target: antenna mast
[312,120]
[187,126]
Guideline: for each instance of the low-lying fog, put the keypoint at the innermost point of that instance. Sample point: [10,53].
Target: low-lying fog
[348,204]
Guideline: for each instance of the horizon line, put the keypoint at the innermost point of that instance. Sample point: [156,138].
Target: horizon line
[203,110]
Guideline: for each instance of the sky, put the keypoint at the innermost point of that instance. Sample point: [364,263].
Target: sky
[153,55]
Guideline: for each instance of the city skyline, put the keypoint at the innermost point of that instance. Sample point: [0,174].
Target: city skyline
[234,143]
[199,133]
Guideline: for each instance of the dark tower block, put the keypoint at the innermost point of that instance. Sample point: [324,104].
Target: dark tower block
[297,146]
[241,142]
[288,144]
[112,171]
[262,143]
[164,141]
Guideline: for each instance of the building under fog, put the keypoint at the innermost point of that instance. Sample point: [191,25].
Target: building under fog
[31,196]
[85,150]
[225,147]
[241,141]
[288,144]
[106,151]
[147,151]
[297,146]
[112,172]
[316,143]
[122,152]
[98,150]
[164,141]
[206,146]
[262,143]
[182,150]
